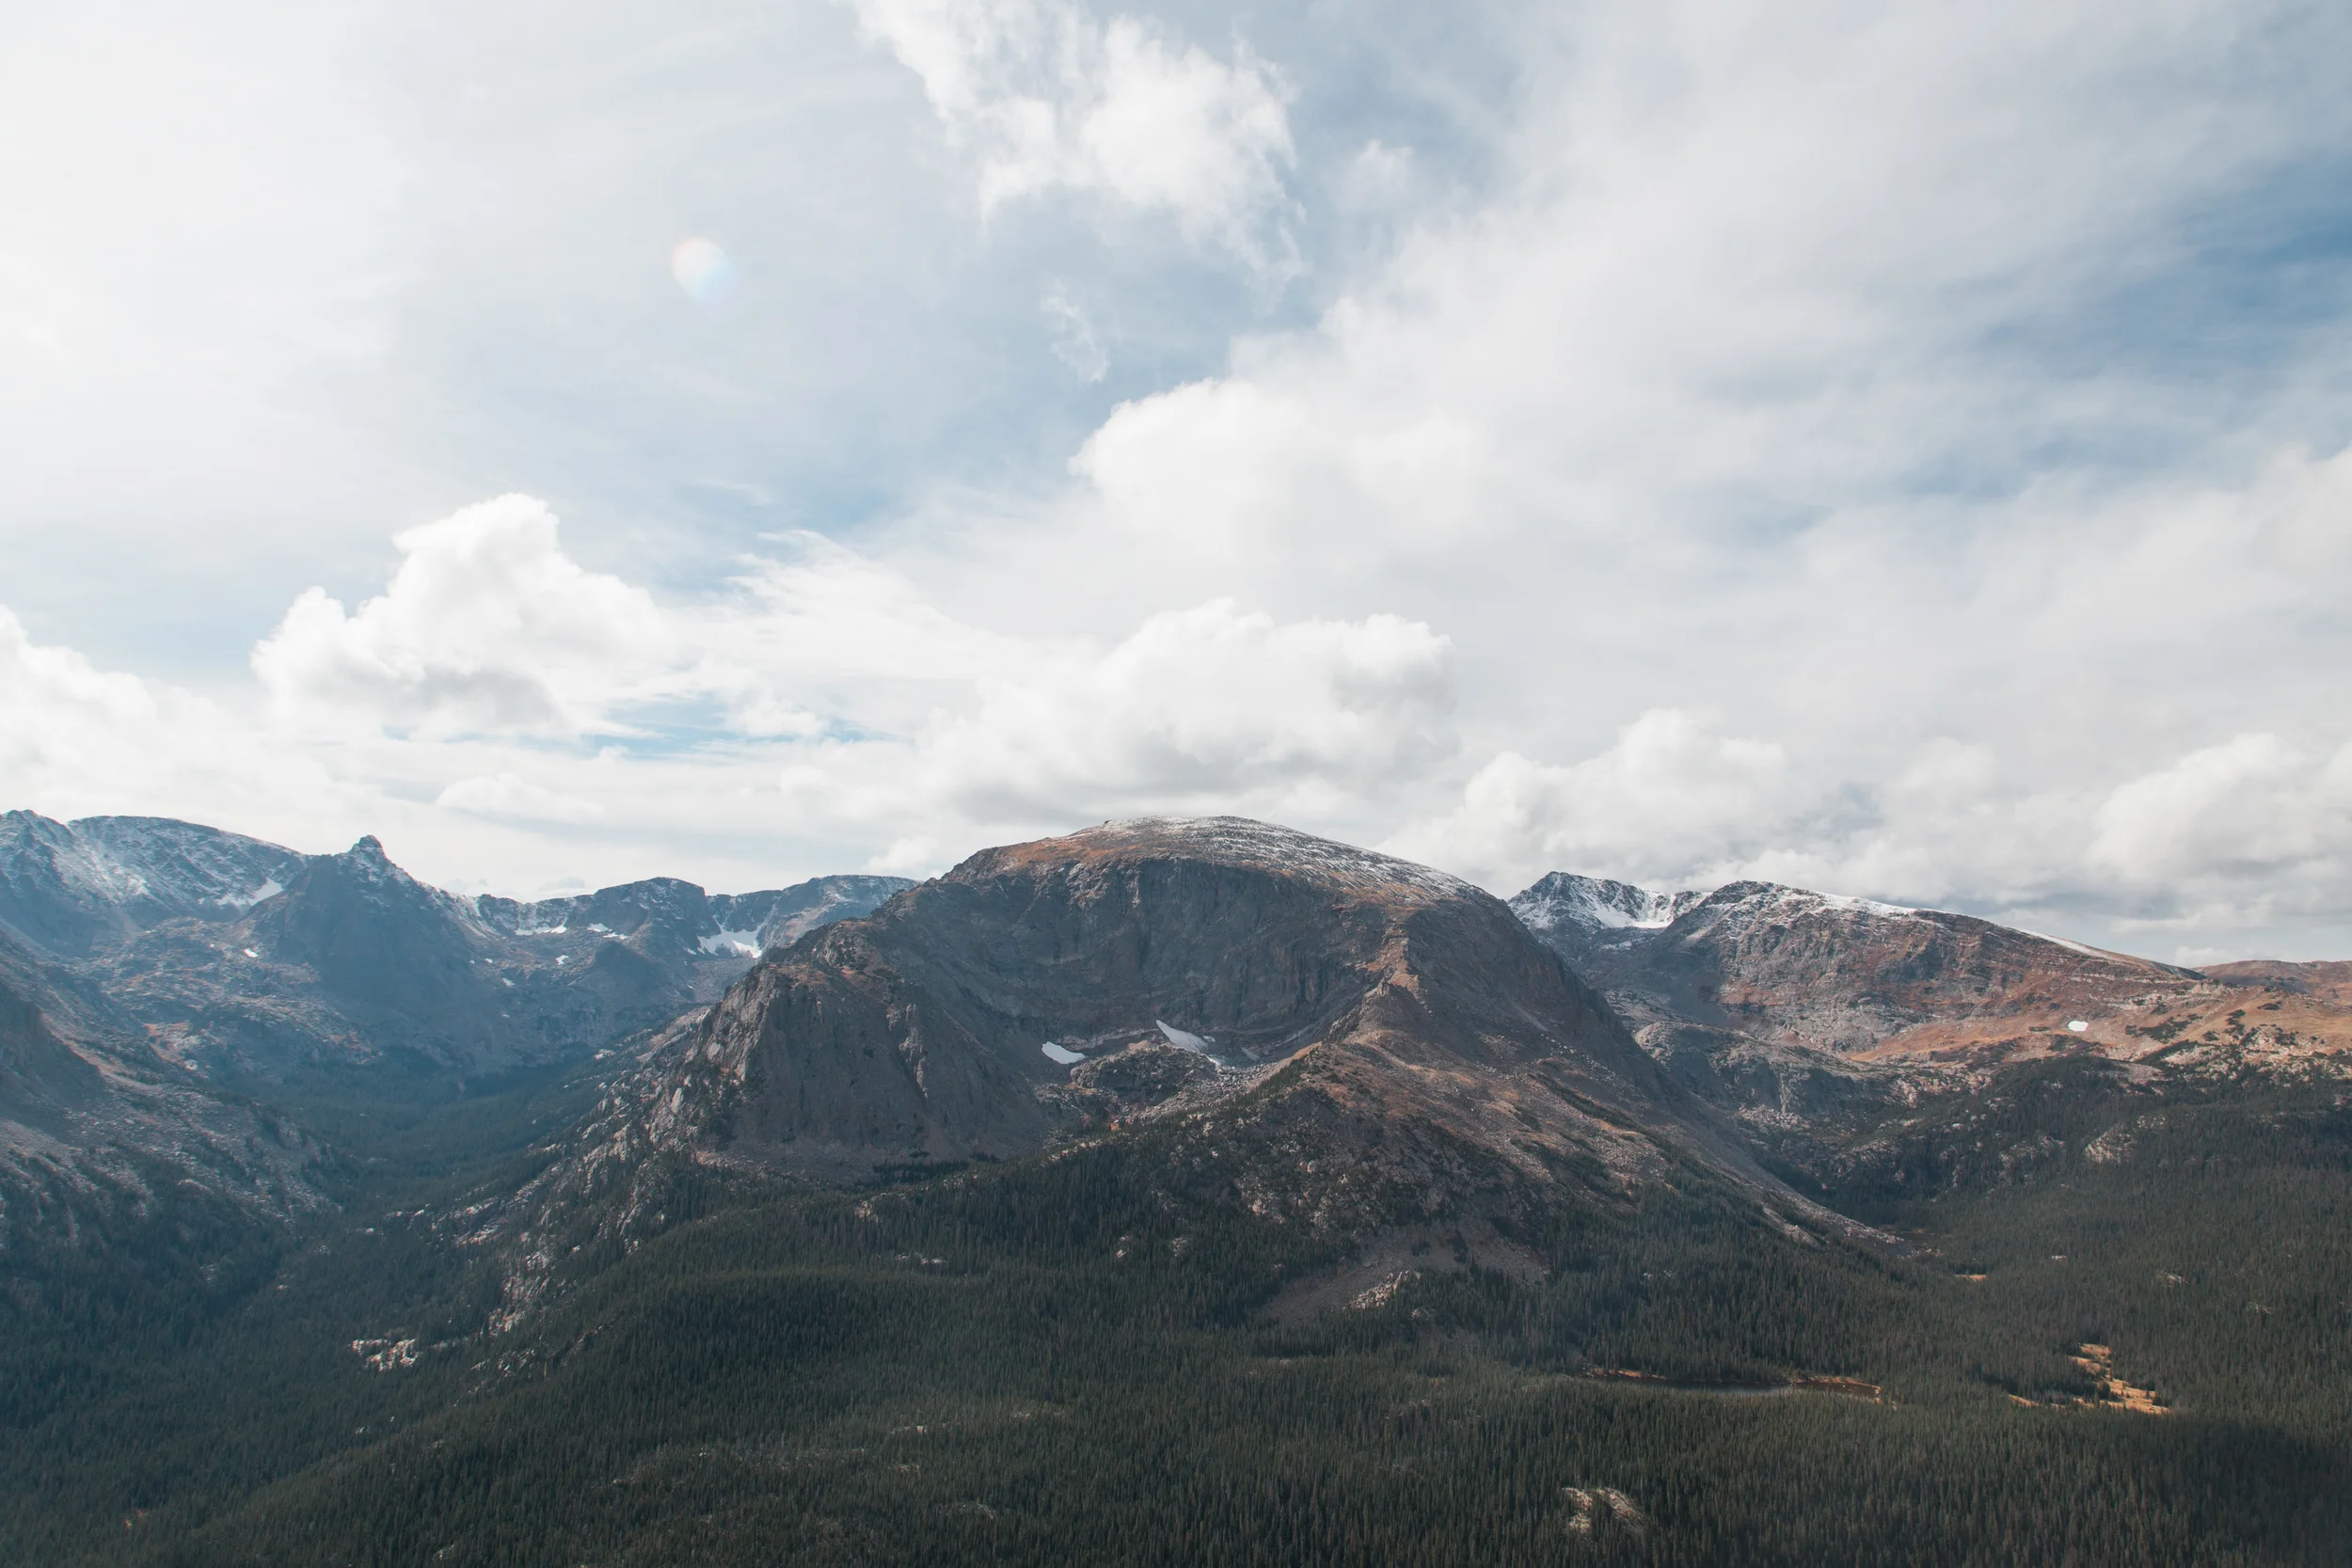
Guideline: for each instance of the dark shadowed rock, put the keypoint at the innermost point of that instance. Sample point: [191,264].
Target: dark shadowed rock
[352,960]
[94,1125]
[390,950]
[40,1076]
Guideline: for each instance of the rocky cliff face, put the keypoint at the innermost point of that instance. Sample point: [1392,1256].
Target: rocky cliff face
[1327,1036]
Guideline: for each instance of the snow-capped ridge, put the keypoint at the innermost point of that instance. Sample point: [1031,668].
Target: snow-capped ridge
[1566,898]
[68,887]
[1564,902]
[1739,906]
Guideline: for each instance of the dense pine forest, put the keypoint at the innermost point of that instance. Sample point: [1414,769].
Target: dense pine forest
[994,1364]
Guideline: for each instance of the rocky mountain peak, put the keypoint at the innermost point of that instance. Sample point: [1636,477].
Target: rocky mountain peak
[1234,842]
[1787,966]
[1564,900]
[1780,897]
[229,950]
[1393,1033]
[70,888]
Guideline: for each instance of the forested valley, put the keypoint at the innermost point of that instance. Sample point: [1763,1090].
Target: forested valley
[992,1364]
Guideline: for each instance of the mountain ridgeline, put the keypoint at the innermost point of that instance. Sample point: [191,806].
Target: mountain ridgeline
[1392,997]
[166,988]
[1311,1033]
[1176,1190]
[1823,1025]
[241,957]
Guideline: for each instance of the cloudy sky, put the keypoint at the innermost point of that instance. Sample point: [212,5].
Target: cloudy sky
[1902,449]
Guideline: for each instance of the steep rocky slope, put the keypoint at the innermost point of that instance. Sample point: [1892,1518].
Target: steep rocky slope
[1841,974]
[42,1078]
[1320,1034]
[96,1130]
[71,889]
[1395,996]
[1813,1016]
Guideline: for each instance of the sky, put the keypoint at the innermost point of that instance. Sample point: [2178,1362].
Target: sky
[1904,450]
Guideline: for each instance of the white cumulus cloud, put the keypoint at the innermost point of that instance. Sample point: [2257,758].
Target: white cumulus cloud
[2254,807]
[486,627]
[1670,801]
[1212,709]
[1210,703]
[78,741]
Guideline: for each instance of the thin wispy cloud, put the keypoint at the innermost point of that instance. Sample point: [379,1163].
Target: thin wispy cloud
[1044,95]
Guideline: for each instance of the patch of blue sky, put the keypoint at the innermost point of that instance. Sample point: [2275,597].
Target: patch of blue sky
[2225,299]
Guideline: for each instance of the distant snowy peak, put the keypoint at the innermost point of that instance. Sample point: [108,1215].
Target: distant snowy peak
[1565,901]
[182,866]
[674,915]
[68,887]
[781,917]
[658,903]
[1738,905]
[89,886]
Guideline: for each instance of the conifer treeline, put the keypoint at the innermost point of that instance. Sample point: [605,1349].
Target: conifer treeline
[1021,1363]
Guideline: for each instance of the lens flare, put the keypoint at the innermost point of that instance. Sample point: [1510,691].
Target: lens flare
[703,270]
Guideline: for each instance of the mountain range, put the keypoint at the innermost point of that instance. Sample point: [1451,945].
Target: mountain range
[1608,1130]
[1363,1041]
[157,976]
[1812,1018]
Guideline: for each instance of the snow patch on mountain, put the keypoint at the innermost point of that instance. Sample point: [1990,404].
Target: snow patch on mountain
[1184,1039]
[1565,899]
[2080,947]
[269,888]
[743,945]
